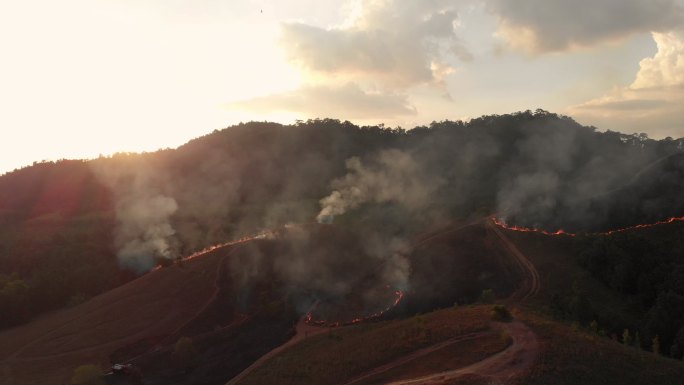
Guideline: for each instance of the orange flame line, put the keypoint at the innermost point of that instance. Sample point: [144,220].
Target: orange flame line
[309,317]
[503,224]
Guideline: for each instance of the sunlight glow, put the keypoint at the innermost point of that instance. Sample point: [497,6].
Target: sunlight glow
[86,78]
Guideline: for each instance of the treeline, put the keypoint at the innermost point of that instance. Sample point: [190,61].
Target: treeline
[56,232]
[647,268]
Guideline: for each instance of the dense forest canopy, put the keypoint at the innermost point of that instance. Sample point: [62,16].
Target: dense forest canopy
[72,229]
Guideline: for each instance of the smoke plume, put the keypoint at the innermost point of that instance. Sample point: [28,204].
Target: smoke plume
[390,176]
[144,232]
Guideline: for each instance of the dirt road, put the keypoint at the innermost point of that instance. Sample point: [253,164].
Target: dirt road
[530,285]
[414,355]
[503,366]
[519,357]
[303,331]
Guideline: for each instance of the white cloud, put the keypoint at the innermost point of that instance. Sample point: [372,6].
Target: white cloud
[666,68]
[652,103]
[362,68]
[391,43]
[537,26]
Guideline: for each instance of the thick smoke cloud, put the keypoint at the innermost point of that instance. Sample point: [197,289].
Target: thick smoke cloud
[144,231]
[329,264]
[561,177]
[392,176]
[383,187]
[538,26]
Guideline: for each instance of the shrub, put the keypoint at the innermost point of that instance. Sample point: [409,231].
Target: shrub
[501,313]
[88,375]
[593,326]
[487,296]
[505,338]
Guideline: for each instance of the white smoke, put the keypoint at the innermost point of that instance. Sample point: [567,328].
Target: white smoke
[392,176]
[144,232]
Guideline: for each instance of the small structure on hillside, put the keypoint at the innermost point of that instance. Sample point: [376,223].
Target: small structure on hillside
[124,374]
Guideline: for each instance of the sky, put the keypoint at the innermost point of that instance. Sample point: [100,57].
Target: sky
[83,78]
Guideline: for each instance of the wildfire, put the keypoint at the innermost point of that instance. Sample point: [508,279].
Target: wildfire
[209,249]
[503,224]
[309,316]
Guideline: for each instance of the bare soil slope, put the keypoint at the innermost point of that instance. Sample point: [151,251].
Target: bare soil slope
[47,350]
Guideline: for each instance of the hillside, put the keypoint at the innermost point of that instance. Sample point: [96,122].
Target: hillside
[102,222]
[480,350]
[199,298]
[139,320]
[340,226]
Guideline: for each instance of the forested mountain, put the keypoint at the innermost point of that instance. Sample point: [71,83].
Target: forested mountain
[72,229]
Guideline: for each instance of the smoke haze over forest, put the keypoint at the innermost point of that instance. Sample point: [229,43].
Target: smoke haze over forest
[533,169]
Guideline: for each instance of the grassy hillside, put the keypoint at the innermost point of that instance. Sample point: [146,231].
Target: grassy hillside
[572,357]
[156,307]
[567,356]
[340,355]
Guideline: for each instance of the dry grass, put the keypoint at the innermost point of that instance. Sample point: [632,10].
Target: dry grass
[344,353]
[47,350]
[454,356]
[575,357]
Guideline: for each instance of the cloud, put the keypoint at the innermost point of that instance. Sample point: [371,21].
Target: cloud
[652,103]
[625,105]
[346,102]
[396,43]
[666,68]
[539,26]
[363,68]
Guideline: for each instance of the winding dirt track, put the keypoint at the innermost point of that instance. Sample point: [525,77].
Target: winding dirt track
[517,358]
[303,331]
[530,286]
[503,366]
[414,355]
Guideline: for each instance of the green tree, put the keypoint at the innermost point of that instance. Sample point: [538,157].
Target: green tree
[501,313]
[637,340]
[677,349]
[580,307]
[14,301]
[487,296]
[593,326]
[88,375]
[626,338]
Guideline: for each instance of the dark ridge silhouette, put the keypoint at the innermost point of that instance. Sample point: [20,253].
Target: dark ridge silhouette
[73,229]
